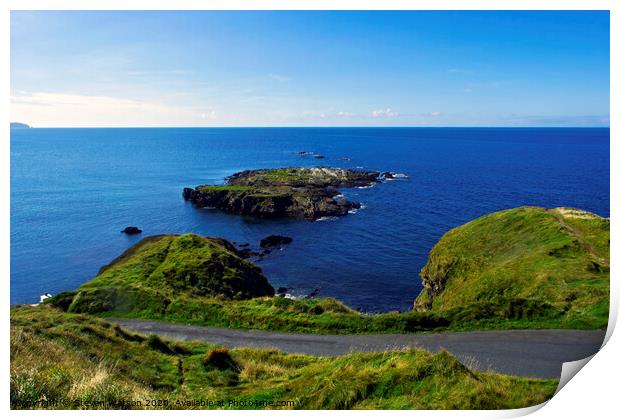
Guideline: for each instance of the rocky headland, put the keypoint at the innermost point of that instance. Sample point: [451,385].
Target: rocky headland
[158,270]
[299,193]
[522,263]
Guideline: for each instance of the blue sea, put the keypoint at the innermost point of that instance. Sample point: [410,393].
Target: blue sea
[73,190]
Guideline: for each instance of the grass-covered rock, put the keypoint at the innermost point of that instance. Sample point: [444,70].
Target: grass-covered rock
[90,361]
[300,193]
[161,269]
[198,280]
[527,263]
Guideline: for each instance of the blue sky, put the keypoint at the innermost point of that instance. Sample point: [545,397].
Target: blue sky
[206,68]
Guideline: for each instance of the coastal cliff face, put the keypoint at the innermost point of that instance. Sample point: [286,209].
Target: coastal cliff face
[300,193]
[523,262]
[160,269]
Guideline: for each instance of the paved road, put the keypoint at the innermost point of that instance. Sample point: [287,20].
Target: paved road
[531,353]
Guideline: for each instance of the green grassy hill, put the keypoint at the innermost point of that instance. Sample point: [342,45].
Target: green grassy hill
[160,269]
[88,359]
[522,268]
[523,263]
[194,279]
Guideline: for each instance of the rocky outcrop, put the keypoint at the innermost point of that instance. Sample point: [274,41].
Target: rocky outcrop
[131,230]
[301,193]
[275,240]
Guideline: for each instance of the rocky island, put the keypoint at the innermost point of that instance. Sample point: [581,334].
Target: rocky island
[299,193]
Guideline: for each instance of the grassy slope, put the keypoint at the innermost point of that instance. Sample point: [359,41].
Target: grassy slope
[192,279]
[322,316]
[526,262]
[516,284]
[237,191]
[158,269]
[90,359]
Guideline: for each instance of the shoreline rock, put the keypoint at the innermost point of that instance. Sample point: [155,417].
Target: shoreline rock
[275,240]
[131,230]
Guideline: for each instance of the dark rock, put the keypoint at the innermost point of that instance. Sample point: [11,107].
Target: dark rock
[244,245]
[319,157]
[247,253]
[314,293]
[275,240]
[131,230]
[281,290]
[188,193]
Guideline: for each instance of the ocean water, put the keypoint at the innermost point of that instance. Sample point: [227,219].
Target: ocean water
[73,190]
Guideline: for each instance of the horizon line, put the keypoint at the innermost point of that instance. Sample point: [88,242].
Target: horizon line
[323,126]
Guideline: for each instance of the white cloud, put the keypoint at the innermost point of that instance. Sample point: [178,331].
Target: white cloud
[344,114]
[456,70]
[487,85]
[279,77]
[381,113]
[435,114]
[211,115]
[45,109]
[254,98]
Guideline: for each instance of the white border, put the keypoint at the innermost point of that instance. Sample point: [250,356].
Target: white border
[592,394]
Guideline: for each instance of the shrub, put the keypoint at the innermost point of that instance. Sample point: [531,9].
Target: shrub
[62,300]
[220,359]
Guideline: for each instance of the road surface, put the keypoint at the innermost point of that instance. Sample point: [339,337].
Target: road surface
[530,353]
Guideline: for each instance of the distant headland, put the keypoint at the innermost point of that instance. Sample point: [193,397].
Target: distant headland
[19,125]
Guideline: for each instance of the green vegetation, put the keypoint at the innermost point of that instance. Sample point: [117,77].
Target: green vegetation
[521,268]
[231,188]
[160,269]
[527,263]
[89,359]
[281,176]
[320,177]
[233,192]
[323,316]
